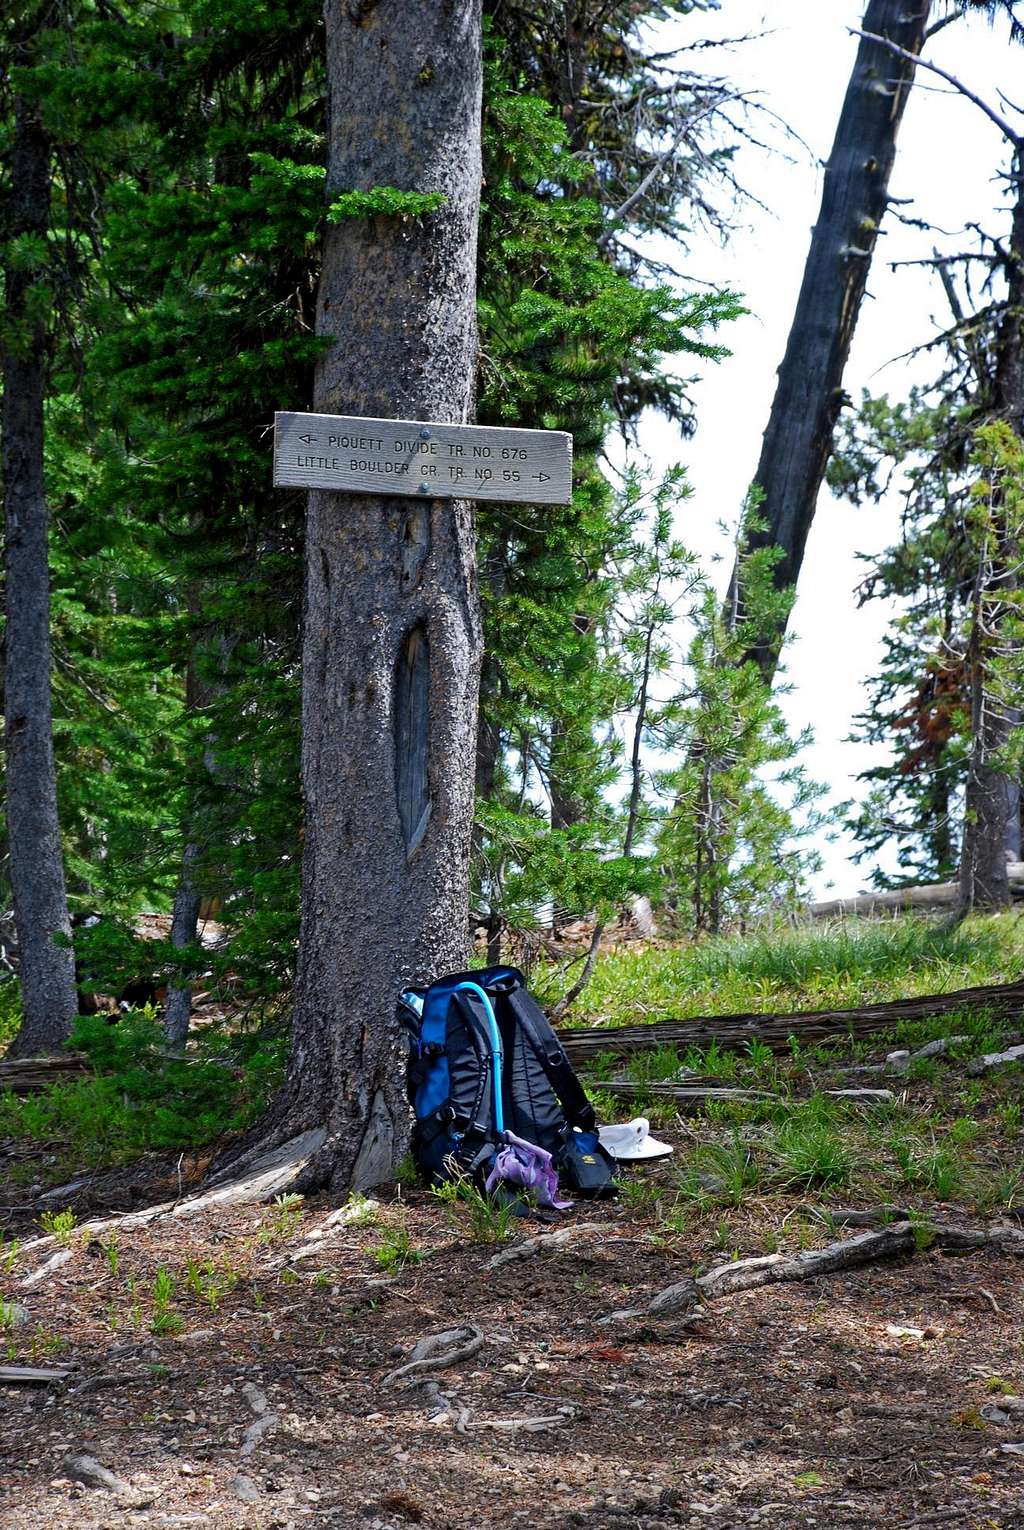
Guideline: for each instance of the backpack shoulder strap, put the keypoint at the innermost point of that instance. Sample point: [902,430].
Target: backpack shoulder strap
[560,1072]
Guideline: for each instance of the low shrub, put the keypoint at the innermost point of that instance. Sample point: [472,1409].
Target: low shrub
[143,1097]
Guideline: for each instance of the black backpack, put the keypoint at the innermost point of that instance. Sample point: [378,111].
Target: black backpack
[483,1060]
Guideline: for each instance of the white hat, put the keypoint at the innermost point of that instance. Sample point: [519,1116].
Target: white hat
[632,1139]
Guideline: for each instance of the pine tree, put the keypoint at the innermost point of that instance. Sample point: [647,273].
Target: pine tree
[36,204]
[730,846]
[983,380]
[571,342]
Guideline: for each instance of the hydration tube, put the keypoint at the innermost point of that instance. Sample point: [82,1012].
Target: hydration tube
[496,1053]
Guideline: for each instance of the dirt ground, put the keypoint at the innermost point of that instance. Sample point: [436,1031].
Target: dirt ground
[786,1406]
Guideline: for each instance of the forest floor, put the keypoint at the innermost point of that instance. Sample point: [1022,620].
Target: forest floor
[230,1369]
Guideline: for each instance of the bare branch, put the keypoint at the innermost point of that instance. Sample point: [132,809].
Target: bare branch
[639,192]
[1016,139]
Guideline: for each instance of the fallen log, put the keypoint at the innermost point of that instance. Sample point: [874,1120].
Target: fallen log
[33,1375]
[690,1099]
[25,1075]
[933,895]
[687,1098]
[809,1027]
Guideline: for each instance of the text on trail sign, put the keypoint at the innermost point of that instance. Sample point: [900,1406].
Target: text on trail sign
[335,451]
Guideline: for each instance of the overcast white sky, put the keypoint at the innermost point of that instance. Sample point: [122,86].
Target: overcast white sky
[946,158]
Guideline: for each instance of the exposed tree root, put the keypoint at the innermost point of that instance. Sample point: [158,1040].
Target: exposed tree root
[338,1220]
[436,1352]
[88,1471]
[544,1243]
[465,1423]
[50,1267]
[899,1238]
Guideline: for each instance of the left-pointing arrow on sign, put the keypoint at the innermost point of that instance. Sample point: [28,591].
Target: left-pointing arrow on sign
[307,439]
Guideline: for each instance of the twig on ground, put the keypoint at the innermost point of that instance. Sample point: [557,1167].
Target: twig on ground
[464,1424]
[870,1216]
[117,1379]
[934,1517]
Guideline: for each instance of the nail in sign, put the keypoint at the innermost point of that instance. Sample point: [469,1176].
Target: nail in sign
[362,456]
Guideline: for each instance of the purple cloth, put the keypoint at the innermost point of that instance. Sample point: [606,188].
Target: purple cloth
[523,1163]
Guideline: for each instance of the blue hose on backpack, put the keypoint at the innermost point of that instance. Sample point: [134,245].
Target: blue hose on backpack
[496,1052]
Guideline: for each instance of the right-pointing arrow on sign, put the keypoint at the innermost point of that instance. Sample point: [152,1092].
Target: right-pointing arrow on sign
[542,476]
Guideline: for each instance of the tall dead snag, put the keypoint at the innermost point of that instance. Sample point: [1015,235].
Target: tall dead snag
[391,652]
[47,970]
[855,194]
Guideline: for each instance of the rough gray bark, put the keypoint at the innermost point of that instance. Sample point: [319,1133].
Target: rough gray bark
[391,653]
[991,797]
[187,902]
[47,971]
[855,194]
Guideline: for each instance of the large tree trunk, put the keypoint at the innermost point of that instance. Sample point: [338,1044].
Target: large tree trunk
[798,440]
[47,970]
[992,799]
[391,651]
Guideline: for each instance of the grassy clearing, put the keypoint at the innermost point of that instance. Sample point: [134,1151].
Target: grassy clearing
[833,966]
[945,1140]
[948,1137]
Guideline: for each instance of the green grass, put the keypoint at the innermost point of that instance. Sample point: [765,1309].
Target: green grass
[395,1250]
[815,967]
[812,1154]
[945,1139]
[485,1218]
[721,1173]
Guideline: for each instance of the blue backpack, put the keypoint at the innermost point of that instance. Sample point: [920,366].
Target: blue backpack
[484,1060]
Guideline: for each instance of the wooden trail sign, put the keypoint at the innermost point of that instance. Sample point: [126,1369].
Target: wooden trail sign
[363,456]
